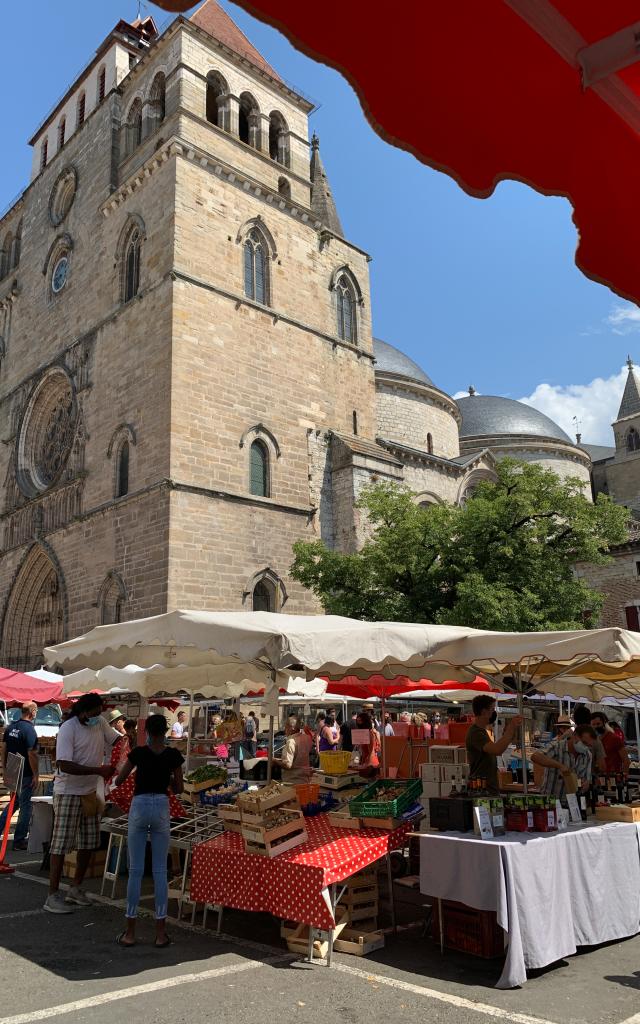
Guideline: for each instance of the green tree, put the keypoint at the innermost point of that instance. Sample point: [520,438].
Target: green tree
[504,560]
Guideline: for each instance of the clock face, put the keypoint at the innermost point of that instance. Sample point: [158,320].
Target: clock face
[60,273]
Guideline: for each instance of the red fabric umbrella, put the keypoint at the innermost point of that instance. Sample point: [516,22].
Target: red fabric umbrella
[378,686]
[16,688]
[541,92]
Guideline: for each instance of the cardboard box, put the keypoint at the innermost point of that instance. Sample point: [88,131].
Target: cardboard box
[430,789]
[456,774]
[96,864]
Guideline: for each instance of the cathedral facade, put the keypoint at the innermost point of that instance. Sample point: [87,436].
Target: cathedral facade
[189,382]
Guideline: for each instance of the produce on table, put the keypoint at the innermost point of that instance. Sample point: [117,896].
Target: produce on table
[207,773]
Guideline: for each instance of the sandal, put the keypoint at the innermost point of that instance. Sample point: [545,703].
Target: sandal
[126,945]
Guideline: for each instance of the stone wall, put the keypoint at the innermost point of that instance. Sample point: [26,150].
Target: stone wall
[409,413]
[619,581]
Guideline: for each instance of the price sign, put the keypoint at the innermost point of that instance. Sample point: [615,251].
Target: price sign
[574,808]
[13,772]
[483,822]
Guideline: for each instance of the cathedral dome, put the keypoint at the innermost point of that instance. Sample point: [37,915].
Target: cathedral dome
[492,416]
[390,359]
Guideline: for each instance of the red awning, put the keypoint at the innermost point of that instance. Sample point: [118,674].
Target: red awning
[378,686]
[16,688]
[540,92]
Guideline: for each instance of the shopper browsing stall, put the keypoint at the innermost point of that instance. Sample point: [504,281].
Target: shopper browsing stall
[21,738]
[565,756]
[482,749]
[294,759]
[158,767]
[615,751]
[370,751]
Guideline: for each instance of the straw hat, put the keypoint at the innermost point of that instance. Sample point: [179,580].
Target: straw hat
[564,720]
[114,715]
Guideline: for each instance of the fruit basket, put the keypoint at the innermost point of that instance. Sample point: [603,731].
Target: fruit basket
[335,762]
[386,798]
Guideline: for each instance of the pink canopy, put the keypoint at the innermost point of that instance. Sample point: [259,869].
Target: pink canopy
[16,688]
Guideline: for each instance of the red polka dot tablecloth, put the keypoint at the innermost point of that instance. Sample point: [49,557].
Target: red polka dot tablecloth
[291,885]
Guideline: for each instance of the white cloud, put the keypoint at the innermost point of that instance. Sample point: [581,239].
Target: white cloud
[595,404]
[462,394]
[623,318]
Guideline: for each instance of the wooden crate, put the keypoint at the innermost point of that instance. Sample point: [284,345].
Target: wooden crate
[194,788]
[229,814]
[251,809]
[361,911]
[618,812]
[357,943]
[270,842]
[342,819]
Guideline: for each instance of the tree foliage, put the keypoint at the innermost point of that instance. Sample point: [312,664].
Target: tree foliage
[504,560]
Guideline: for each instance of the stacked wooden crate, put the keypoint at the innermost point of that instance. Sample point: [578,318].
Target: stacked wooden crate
[358,911]
[271,823]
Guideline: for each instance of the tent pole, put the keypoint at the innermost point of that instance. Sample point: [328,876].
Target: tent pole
[635,714]
[189,731]
[525,781]
[383,738]
[274,680]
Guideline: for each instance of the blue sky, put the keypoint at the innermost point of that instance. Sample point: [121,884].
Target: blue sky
[478,292]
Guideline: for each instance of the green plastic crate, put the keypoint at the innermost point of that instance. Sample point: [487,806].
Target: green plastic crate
[364,806]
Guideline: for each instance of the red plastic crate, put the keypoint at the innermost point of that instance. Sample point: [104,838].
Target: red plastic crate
[471,931]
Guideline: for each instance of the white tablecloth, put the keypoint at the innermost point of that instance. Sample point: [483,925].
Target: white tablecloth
[552,892]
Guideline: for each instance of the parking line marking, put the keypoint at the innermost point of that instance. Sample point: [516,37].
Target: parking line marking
[444,997]
[139,990]
[21,913]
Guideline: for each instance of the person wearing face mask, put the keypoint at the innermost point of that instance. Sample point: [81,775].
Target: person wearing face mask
[482,750]
[80,753]
[567,754]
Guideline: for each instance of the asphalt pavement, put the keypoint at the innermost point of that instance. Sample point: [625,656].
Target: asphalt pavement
[69,969]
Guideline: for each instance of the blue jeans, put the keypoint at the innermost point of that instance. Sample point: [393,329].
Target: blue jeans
[148,819]
[23,801]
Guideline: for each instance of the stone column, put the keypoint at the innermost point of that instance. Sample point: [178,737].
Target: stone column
[231,114]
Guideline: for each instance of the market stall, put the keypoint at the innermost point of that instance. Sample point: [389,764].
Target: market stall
[550,893]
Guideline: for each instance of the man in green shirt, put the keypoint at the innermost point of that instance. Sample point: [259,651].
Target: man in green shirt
[482,750]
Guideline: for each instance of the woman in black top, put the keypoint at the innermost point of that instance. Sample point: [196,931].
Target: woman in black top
[157,767]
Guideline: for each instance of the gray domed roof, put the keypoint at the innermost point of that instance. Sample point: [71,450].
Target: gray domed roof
[391,360]
[488,415]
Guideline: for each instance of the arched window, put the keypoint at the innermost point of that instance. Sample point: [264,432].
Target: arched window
[122,472]
[15,249]
[44,154]
[62,128]
[263,598]
[259,469]
[112,599]
[131,265]
[346,309]
[157,102]
[249,121]
[102,83]
[278,138]
[633,440]
[134,126]
[430,444]
[284,188]
[216,104]
[81,109]
[255,268]
[5,255]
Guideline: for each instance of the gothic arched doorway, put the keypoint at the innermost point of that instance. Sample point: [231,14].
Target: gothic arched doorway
[34,615]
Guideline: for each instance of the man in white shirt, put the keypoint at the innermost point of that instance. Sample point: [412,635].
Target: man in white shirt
[179,729]
[80,750]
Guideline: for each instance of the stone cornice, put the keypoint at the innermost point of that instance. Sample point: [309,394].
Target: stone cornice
[415,456]
[430,391]
[274,314]
[503,443]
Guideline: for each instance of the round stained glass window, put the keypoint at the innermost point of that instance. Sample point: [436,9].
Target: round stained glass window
[46,434]
[60,274]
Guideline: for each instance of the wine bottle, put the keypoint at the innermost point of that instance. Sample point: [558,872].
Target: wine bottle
[583,806]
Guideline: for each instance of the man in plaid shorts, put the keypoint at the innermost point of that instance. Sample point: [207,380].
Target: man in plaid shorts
[80,752]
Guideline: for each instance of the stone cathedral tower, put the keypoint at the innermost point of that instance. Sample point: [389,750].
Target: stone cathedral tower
[186,378]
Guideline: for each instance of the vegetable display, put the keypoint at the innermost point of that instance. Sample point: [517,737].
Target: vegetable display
[207,773]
